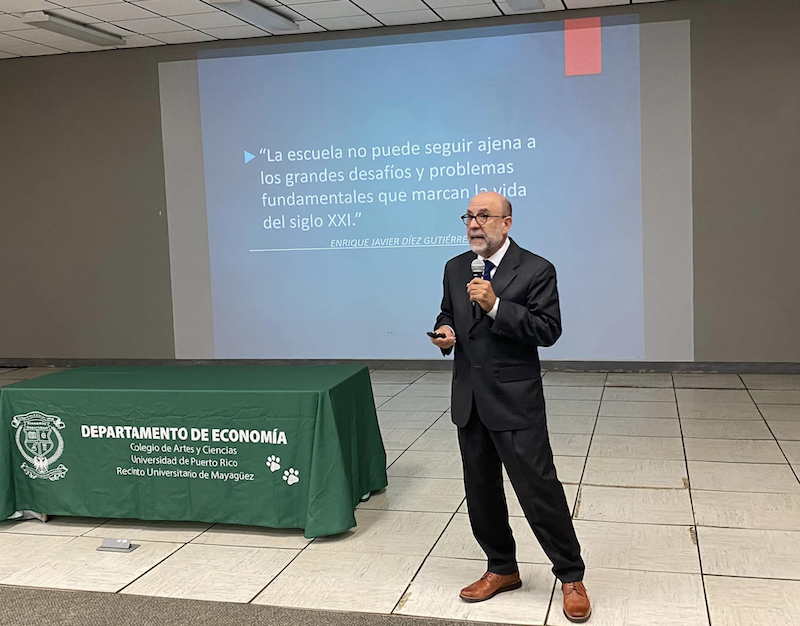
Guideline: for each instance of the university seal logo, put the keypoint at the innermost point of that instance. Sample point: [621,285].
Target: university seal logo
[40,443]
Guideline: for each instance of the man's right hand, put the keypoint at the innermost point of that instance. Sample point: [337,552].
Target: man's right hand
[449,339]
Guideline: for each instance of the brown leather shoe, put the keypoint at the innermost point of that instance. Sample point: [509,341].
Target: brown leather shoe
[576,602]
[489,586]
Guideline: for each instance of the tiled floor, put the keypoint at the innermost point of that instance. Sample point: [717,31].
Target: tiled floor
[682,487]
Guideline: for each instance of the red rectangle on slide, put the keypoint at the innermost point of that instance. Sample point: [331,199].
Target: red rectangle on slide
[583,47]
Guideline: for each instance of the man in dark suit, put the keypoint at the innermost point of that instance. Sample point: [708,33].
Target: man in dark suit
[498,402]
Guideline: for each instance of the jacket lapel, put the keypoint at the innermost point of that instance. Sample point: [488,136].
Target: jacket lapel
[507,270]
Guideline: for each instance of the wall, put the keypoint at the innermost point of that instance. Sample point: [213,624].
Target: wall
[84,260]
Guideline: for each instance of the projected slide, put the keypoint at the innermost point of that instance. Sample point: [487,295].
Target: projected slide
[314,189]
[335,180]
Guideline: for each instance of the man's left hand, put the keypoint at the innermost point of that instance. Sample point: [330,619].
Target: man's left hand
[481,291]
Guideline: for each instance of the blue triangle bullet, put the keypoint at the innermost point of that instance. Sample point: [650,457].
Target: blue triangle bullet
[248,157]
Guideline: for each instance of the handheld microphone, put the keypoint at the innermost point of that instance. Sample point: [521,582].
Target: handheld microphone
[477,267]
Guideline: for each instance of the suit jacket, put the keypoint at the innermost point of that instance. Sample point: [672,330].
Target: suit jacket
[497,360]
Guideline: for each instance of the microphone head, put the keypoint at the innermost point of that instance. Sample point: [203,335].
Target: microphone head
[477,267]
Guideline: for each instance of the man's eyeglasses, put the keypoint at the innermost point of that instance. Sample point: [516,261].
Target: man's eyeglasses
[481,218]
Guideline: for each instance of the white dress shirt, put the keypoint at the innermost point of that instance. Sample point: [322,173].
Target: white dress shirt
[495,259]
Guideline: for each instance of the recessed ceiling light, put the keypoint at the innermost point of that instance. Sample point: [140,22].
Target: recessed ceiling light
[526,6]
[256,14]
[62,26]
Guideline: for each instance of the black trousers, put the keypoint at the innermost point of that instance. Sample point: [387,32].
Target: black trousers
[528,459]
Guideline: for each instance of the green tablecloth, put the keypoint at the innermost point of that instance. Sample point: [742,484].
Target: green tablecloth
[282,447]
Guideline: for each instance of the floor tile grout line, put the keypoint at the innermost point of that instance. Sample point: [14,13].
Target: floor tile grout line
[283,569]
[191,541]
[425,558]
[780,530]
[383,383]
[694,530]
[552,598]
[213,525]
[632,458]
[778,464]
[150,569]
[100,525]
[654,488]
[594,521]
[588,451]
[407,386]
[771,432]
[255,547]
[604,567]
[415,440]
[448,512]
[750,577]
[575,506]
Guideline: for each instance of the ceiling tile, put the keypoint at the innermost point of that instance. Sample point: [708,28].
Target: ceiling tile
[81,18]
[303,26]
[12,22]
[11,40]
[391,6]
[30,49]
[589,4]
[62,42]
[184,36]
[75,45]
[23,6]
[151,25]
[330,9]
[407,17]
[349,23]
[71,4]
[437,4]
[140,41]
[236,32]
[641,1]
[113,29]
[5,55]
[175,7]
[116,12]
[37,35]
[292,3]
[217,19]
[469,12]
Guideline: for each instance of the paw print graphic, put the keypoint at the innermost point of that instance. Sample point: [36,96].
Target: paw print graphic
[291,476]
[273,463]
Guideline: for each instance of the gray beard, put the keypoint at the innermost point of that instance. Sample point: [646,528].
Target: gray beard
[484,247]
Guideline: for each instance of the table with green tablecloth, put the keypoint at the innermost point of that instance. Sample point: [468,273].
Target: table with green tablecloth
[274,446]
